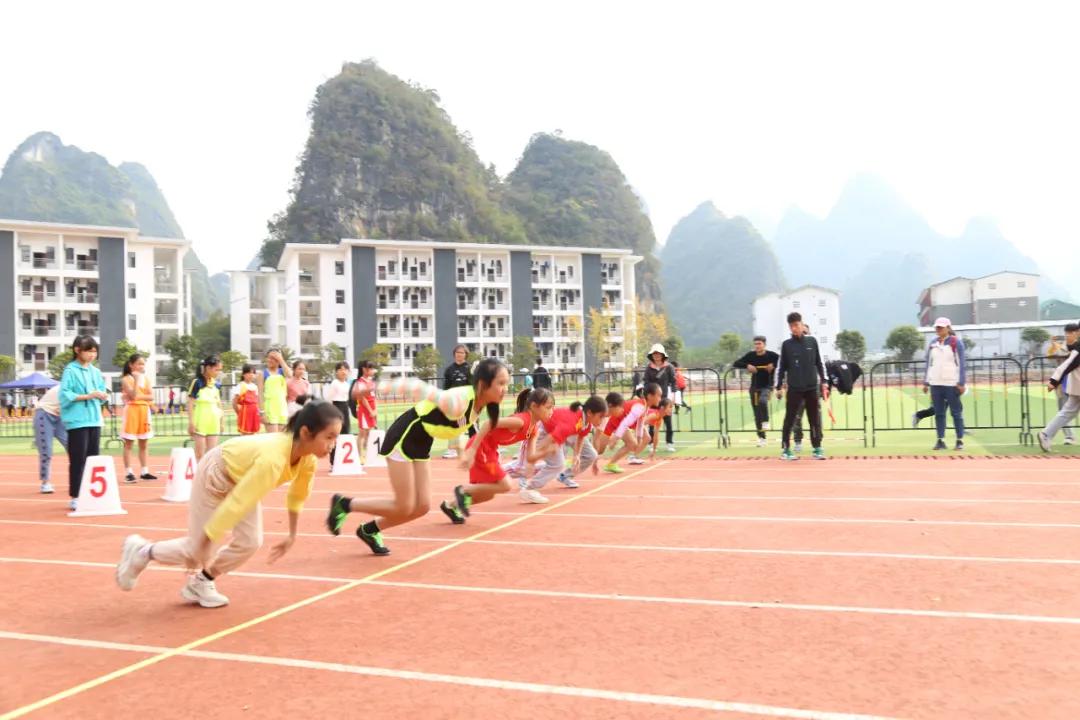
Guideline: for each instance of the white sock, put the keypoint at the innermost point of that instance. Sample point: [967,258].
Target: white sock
[144,551]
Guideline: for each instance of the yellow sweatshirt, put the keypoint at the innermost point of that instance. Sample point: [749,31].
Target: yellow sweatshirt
[257,464]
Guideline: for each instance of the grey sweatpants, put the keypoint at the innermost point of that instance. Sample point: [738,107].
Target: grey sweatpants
[555,462]
[46,427]
[1069,410]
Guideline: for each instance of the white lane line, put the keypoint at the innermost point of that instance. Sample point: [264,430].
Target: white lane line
[896,483]
[823,498]
[756,605]
[162,568]
[831,520]
[673,701]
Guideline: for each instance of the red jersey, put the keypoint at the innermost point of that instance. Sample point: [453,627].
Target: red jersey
[486,467]
[614,420]
[565,423]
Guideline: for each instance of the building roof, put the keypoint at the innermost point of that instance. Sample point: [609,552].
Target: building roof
[997,326]
[445,244]
[810,287]
[60,227]
[1007,272]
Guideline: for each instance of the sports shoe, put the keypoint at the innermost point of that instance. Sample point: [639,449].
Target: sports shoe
[132,562]
[568,480]
[532,496]
[46,488]
[1044,441]
[915,420]
[798,447]
[147,475]
[761,442]
[130,477]
[671,447]
[1069,441]
[959,445]
[788,455]
[453,513]
[635,460]
[336,517]
[463,500]
[449,455]
[373,541]
[523,482]
[819,454]
[73,505]
[613,468]
[203,592]
[940,445]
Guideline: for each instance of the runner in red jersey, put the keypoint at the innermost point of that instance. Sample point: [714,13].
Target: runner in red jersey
[567,426]
[486,475]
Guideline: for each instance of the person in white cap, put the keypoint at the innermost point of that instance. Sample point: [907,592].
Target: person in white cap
[660,371]
[946,373]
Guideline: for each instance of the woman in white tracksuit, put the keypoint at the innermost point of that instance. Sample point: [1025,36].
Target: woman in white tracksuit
[946,374]
[1067,373]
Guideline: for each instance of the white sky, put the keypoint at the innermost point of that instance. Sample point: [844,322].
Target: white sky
[966,108]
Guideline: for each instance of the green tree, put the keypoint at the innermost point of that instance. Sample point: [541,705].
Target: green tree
[1034,338]
[124,350]
[59,362]
[329,356]
[426,363]
[905,340]
[232,360]
[729,347]
[213,337]
[523,353]
[852,345]
[378,354]
[184,357]
[597,339]
[969,344]
[7,367]
[674,347]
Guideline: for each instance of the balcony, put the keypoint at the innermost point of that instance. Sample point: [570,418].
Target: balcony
[389,334]
[39,295]
[419,333]
[311,350]
[257,303]
[82,296]
[166,286]
[496,333]
[497,307]
[415,304]
[415,274]
[310,319]
[42,263]
[166,319]
[309,288]
[468,306]
[81,264]
[40,330]
[544,332]
[82,330]
[467,277]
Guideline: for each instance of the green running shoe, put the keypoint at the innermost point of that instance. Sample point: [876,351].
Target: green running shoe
[787,454]
[453,513]
[819,454]
[613,468]
[336,517]
[463,499]
[373,541]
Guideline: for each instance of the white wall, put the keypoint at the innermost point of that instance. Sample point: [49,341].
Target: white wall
[952,292]
[1006,285]
[770,317]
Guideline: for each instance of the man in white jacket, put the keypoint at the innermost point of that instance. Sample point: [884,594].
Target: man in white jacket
[946,373]
[1067,373]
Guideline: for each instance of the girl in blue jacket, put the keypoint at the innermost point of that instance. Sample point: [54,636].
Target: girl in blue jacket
[82,390]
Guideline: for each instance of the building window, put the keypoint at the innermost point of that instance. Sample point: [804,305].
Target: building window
[824,339]
[821,303]
[339,267]
[341,325]
[822,321]
[131,259]
[991,286]
[1023,303]
[1021,283]
[795,304]
[340,296]
[131,322]
[131,291]
[24,253]
[993,305]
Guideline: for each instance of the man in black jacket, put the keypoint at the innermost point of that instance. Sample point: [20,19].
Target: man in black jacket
[761,364]
[800,365]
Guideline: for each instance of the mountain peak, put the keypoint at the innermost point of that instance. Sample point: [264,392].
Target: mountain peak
[867,197]
[39,147]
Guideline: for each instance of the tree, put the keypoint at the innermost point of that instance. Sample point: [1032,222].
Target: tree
[378,354]
[7,367]
[969,344]
[852,345]
[523,353]
[729,347]
[674,347]
[1035,338]
[214,335]
[648,328]
[184,359]
[906,340]
[597,338]
[124,350]
[426,363]
[323,365]
[232,360]
[59,362]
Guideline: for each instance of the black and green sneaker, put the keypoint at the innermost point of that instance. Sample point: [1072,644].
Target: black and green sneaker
[464,500]
[339,510]
[453,513]
[373,540]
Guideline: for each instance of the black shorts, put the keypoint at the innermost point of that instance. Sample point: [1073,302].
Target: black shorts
[408,436]
[343,408]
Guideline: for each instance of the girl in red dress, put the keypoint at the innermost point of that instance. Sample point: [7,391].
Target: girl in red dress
[246,403]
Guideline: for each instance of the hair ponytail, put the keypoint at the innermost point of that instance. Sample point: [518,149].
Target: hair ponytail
[594,404]
[486,371]
[315,415]
[533,396]
[135,357]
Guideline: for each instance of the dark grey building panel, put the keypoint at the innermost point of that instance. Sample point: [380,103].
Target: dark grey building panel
[7,294]
[959,314]
[1003,310]
[364,300]
[445,276]
[521,318]
[112,320]
[591,294]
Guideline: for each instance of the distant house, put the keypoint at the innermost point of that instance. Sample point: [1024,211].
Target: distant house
[1002,297]
[819,307]
[1059,310]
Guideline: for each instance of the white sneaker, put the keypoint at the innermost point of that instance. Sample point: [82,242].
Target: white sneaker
[202,591]
[1068,441]
[635,460]
[46,488]
[533,496]
[449,455]
[914,420]
[132,562]
[761,442]
[671,447]
[1044,441]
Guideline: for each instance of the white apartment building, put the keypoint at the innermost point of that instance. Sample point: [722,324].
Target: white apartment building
[416,294]
[819,307]
[1002,297]
[108,282]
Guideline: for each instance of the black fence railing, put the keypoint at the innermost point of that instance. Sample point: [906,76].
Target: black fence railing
[1000,393]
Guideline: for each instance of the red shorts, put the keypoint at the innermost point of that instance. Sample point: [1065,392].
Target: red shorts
[486,468]
[365,419]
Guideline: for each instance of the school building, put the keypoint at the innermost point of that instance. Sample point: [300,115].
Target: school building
[109,282]
[820,310]
[415,294]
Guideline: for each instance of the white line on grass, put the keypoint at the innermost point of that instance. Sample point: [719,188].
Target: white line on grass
[672,701]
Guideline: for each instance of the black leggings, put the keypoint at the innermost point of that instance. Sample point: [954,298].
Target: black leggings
[82,443]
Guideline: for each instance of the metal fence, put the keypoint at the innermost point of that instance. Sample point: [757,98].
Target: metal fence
[701,407]
[994,396]
[841,413]
[1041,403]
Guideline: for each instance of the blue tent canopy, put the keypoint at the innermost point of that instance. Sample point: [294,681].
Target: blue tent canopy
[34,381]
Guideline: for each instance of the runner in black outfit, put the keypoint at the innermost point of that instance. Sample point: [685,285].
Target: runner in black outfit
[761,364]
[800,365]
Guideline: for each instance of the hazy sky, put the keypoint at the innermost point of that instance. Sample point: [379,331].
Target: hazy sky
[966,108]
